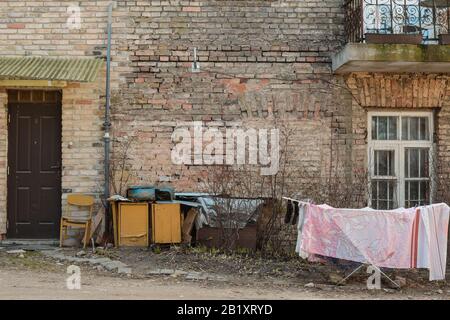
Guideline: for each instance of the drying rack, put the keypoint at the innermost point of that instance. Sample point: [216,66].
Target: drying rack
[367,262]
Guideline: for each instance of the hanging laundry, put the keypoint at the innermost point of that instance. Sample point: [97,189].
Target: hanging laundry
[432,240]
[296,213]
[401,238]
[288,216]
[301,219]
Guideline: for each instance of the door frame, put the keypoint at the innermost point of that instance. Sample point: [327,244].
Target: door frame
[11,234]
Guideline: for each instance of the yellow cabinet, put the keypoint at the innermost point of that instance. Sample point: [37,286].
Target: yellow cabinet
[133,224]
[166,223]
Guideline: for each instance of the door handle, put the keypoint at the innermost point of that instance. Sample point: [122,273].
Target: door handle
[55,167]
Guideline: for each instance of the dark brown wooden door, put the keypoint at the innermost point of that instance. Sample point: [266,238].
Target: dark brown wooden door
[34,178]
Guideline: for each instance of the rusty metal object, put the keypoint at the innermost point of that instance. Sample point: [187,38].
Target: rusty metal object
[210,237]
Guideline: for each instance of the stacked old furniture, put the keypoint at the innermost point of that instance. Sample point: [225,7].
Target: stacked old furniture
[149,215]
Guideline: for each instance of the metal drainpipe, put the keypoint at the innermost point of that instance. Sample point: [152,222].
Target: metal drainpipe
[107,123]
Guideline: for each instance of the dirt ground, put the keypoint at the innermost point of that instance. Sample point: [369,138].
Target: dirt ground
[34,276]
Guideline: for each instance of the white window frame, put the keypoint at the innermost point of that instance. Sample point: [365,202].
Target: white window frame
[399,147]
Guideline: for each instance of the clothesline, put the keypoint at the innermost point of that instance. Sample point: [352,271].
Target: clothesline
[349,209]
[294,200]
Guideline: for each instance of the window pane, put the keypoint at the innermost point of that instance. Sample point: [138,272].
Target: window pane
[417,193]
[416,163]
[415,128]
[405,128]
[424,192]
[423,129]
[413,163]
[384,128]
[424,163]
[383,187]
[413,189]
[383,194]
[374,128]
[384,163]
[392,128]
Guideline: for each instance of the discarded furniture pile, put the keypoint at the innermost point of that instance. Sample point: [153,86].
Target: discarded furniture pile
[150,215]
[227,221]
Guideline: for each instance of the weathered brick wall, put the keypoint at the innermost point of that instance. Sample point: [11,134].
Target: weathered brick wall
[40,28]
[82,146]
[261,62]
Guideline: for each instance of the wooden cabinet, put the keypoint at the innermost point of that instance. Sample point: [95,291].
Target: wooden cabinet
[166,223]
[133,224]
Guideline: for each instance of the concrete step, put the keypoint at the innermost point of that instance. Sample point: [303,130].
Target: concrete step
[30,244]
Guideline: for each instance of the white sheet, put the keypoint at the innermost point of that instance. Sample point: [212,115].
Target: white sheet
[432,243]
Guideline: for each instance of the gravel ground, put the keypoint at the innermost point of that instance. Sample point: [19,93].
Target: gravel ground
[31,275]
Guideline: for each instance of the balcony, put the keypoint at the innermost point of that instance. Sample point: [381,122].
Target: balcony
[428,20]
[395,36]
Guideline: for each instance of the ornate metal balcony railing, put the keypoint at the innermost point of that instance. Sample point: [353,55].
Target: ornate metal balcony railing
[430,18]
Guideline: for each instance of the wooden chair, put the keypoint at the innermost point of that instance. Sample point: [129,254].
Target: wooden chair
[77,200]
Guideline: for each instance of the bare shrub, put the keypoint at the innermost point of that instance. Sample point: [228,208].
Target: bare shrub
[232,183]
[120,173]
[274,237]
[120,170]
[231,189]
